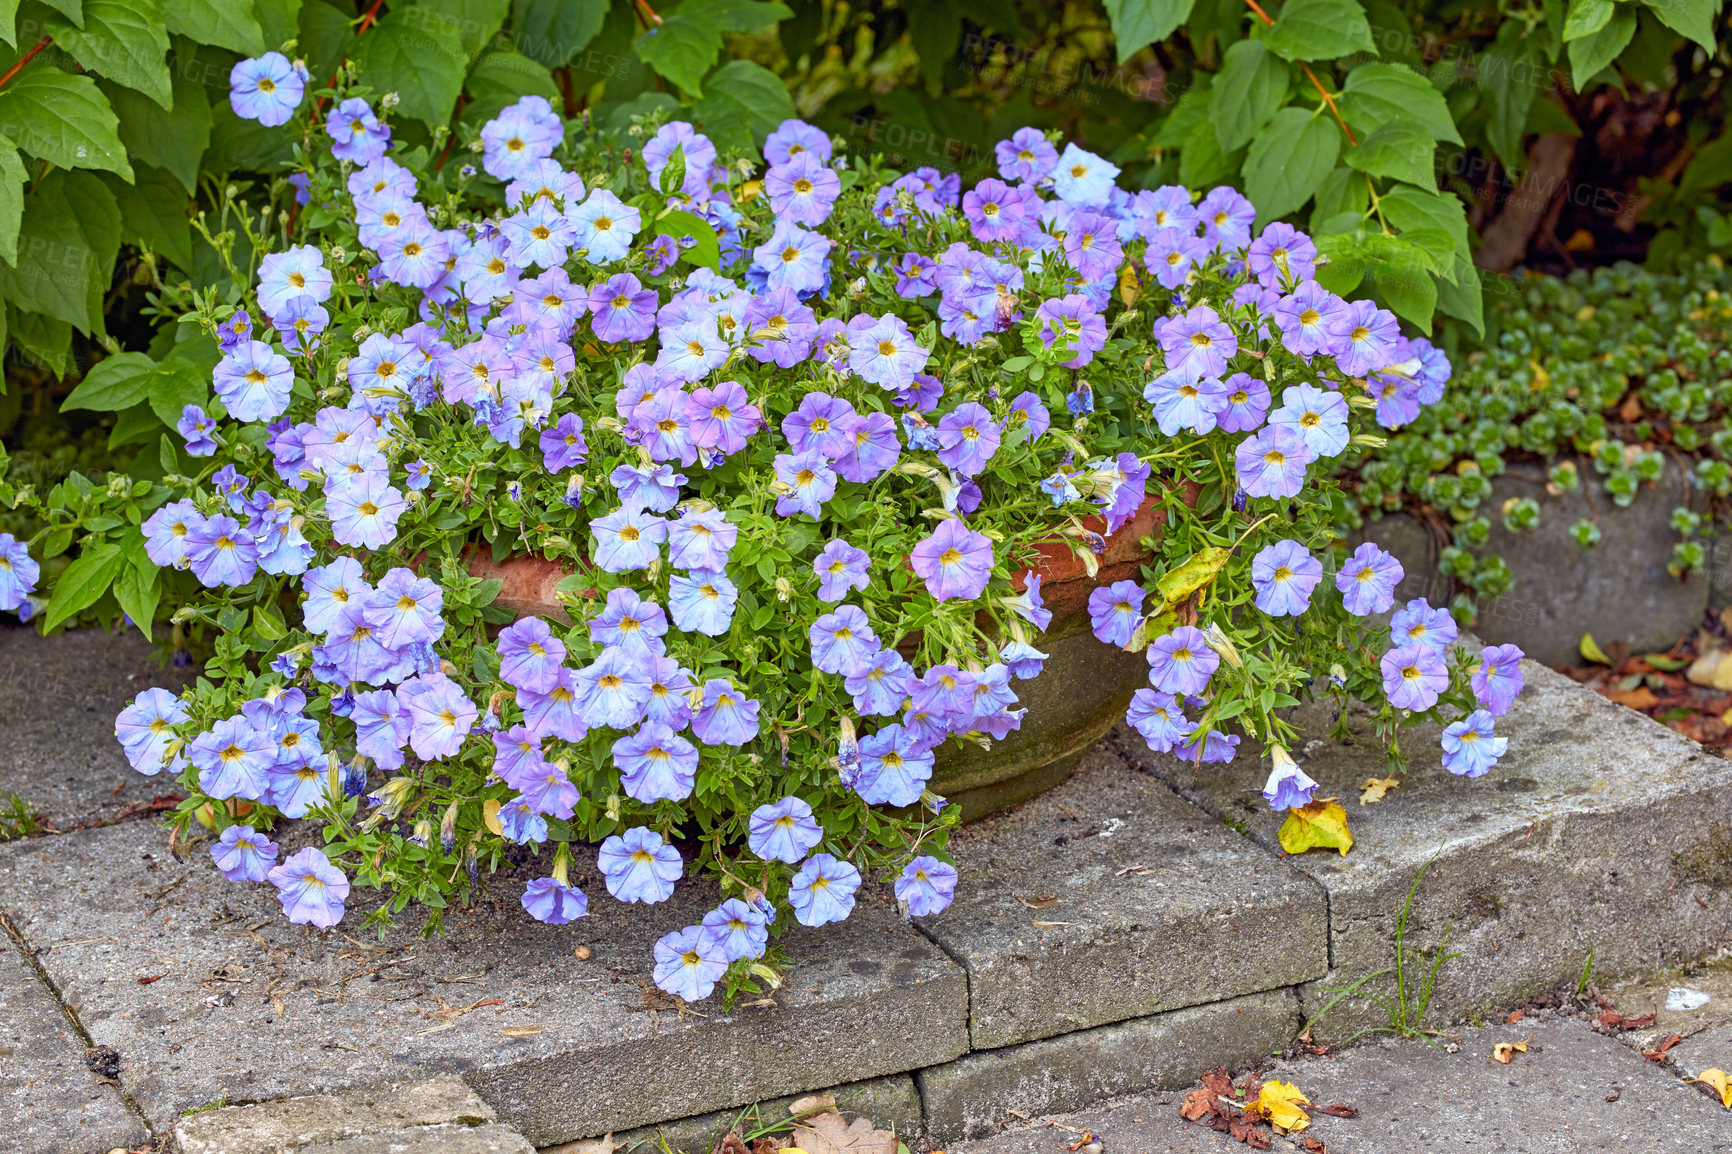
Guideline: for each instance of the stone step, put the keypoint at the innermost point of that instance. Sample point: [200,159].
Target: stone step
[439,1106]
[51,1101]
[1572,1091]
[1599,832]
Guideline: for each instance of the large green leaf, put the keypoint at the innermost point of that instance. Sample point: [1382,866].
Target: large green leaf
[1586,17]
[1691,19]
[1379,92]
[1288,161]
[419,57]
[1251,85]
[63,119]
[1465,299]
[44,339]
[64,252]
[745,103]
[114,383]
[279,22]
[137,586]
[1138,23]
[1320,30]
[153,215]
[230,24]
[12,178]
[553,31]
[325,38]
[175,384]
[688,41]
[502,77]
[476,22]
[1593,52]
[1399,149]
[1201,161]
[1412,209]
[84,582]
[1709,168]
[174,140]
[1506,77]
[124,40]
[1404,279]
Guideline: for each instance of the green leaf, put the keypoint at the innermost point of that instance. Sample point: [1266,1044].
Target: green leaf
[1709,168]
[9,22]
[12,178]
[238,145]
[476,22]
[1506,77]
[44,339]
[1691,19]
[553,31]
[229,24]
[420,57]
[1590,54]
[502,77]
[1411,209]
[63,255]
[63,119]
[1346,268]
[174,140]
[1192,107]
[1288,161]
[1402,274]
[279,22]
[707,253]
[134,424]
[1201,161]
[138,590]
[325,38]
[1139,23]
[84,582]
[1251,85]
[1587,17]
[124,40]
[1377,92]
[745,103]
[117,382]
[269,623]
[154,215]
[175,384]
[73,10]
[1343,193]
[1399,149]
[1320,30]
[689,40]
[934,30]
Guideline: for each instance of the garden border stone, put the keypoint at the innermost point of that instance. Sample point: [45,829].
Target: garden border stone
[1595,817]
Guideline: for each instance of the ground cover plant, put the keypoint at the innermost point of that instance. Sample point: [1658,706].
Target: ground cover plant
[795,423]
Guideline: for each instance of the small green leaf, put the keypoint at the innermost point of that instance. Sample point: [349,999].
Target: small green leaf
[1691,19]
[1250,87]
[1590,54]
[1587,17]
[1399,149]
[175,384]
[139,591]
[1378,92]
[1288,161]
[707,253]
[12,178]
[1139,23]
[745,103]
[117,382]
[1320,30]
[83,583]
[229,24]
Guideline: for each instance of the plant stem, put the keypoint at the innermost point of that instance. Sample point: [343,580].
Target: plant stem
[23,60]
[1312,76]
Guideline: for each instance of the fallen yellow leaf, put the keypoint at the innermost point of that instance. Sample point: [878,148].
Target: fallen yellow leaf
[490,815]
[1372,789]
[1280,1103]
[1504,1051]
[1199,569]
[1130,288]
[1717,1079]
[1591,650]
[1321,824]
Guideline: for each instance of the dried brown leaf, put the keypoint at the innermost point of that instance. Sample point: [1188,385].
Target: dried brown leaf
[827,1133]
[1340,1110]
[1197,1104]
[1658,1053]
[1373,789]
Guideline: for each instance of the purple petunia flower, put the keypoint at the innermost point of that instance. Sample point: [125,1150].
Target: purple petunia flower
[621,309]
[1182,661]
[895,766]
[356,134]
[1115,612]
[655,764]
[311,888]
[1198,343]
[841,567]
[823,890]
[440,716]
[554,902]
[639,866]
[954,562]
[1288,786]
[1497,679]
[784,831]
[689,963]
[1368,579]
[145,728]
[1317,416]
[1272,462]
[1470,748]
[725,716]
[1419,622]
[1158,717]
[1282,257]
[737,929]
[242,854]
[967,438]
[1413,676]
[1284,575]
[1026,157]
[1247,404]
[1371,339]
[809,481]
[927,885]
[267,89]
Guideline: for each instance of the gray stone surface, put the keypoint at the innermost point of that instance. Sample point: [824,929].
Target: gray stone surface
[1110,898]
[50,1102]
[252,1008]
[978,1093]
[891,1103]
[1618,591]
[1411,1098]
[59,696]
[1599,829]
[490,1139]
[316,1119]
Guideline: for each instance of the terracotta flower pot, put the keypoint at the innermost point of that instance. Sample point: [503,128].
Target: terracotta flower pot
[1080,695]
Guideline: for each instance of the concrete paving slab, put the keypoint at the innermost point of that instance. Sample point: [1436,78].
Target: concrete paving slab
[490,1139]
[59,696]
[891,1103]
[50,1100]
[1110,898]
[978,1093]
[1685,1002]
[1412,1097]
[1592,833]
[320,1119]
[250,1008]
